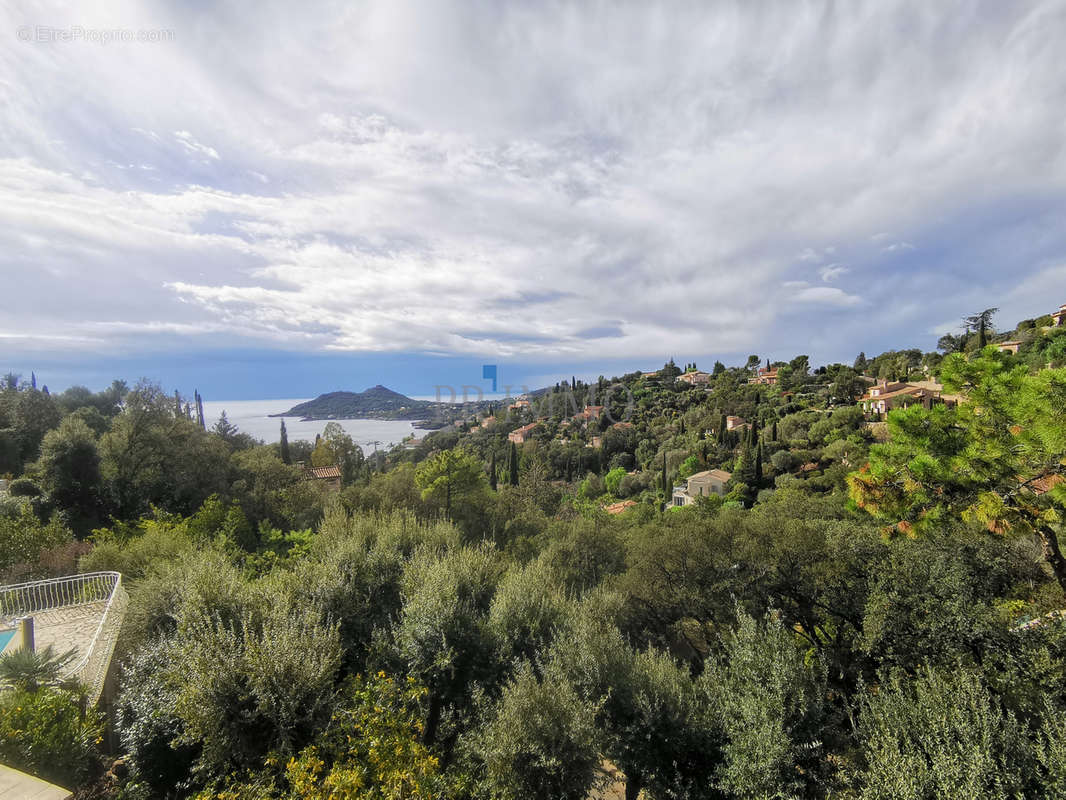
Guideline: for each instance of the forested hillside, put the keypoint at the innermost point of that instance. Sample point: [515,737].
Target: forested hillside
[516,603]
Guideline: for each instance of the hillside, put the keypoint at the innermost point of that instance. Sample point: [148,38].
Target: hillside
[377,402]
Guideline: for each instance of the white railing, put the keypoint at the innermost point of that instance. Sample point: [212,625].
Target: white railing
[37,597]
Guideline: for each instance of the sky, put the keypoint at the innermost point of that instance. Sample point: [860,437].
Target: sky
[279,199]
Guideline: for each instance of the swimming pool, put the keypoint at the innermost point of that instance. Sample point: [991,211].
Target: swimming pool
[5,637]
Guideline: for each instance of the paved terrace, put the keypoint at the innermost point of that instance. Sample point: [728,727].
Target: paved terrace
[81,613]
[15,785]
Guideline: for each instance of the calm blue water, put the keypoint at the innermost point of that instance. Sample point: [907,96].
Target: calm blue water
[5,637]
[253,417]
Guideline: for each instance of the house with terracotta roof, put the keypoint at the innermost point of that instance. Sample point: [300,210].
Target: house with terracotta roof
[1009,347]
[695,378]
[884,396]
[520,435]
[702,484]
[732,423]
[767,376]
[590,413]
[1058,318]
[330,476]
[518,405]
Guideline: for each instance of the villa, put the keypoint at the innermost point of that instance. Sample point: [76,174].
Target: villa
[695,378]
[767,376]
[520,435]
[884,396]
[1058,318]
[702,484]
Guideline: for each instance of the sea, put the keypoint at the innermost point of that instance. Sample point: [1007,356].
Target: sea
[253,417]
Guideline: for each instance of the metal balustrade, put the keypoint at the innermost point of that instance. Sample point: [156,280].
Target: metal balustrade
[51,598]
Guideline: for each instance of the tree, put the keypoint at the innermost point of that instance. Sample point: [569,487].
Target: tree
[770,704]
[283,446]
[492,471]
[449,477]
[70,471]
[952,343]
[346,453]
[860,363]
[941,735]
[224,429]
[512,465]
[541,742]
[753,363]
[981,322]
[998,459]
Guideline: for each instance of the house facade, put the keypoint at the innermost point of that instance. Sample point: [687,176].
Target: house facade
[884,396]
[767,376]
[1058,318]
[695,378]
[520,435]
[702,484]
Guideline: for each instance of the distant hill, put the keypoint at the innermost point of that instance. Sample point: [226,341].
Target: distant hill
[377,402]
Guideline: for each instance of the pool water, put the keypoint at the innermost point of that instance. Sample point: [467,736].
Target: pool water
[5,637]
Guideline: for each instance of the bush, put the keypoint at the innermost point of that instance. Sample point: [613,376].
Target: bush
[542,741]
[47,734]
[24,487]
[941,735]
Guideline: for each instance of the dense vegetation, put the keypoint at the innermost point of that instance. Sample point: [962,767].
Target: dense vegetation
[464,619]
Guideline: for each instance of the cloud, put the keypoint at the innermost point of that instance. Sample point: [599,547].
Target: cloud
[467,180]
[833,271]
[897,247]
[186,140]
[827,295]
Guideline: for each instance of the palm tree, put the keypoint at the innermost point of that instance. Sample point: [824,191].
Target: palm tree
[29,670]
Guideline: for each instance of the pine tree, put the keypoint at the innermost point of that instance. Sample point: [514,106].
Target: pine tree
[861,363]
[513,465]
[283,445]
[224,428]
[492,471]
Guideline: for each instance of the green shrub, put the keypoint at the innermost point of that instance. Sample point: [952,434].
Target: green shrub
[48,734]
[942,735]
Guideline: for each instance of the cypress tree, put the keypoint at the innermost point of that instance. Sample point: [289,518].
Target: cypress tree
[773,432]
[199,409]
[666,487]
[492,471]
[177,404]
[33,380]
[513,466]
[758,465]
[286,456]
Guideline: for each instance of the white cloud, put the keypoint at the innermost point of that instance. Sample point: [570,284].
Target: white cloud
[444,178]
[827,295]
[186,140]
[833,271]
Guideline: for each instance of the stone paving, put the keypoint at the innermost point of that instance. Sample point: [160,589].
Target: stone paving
[15,785]
[71,627]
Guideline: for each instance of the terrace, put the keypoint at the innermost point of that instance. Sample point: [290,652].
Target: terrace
[81,613]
